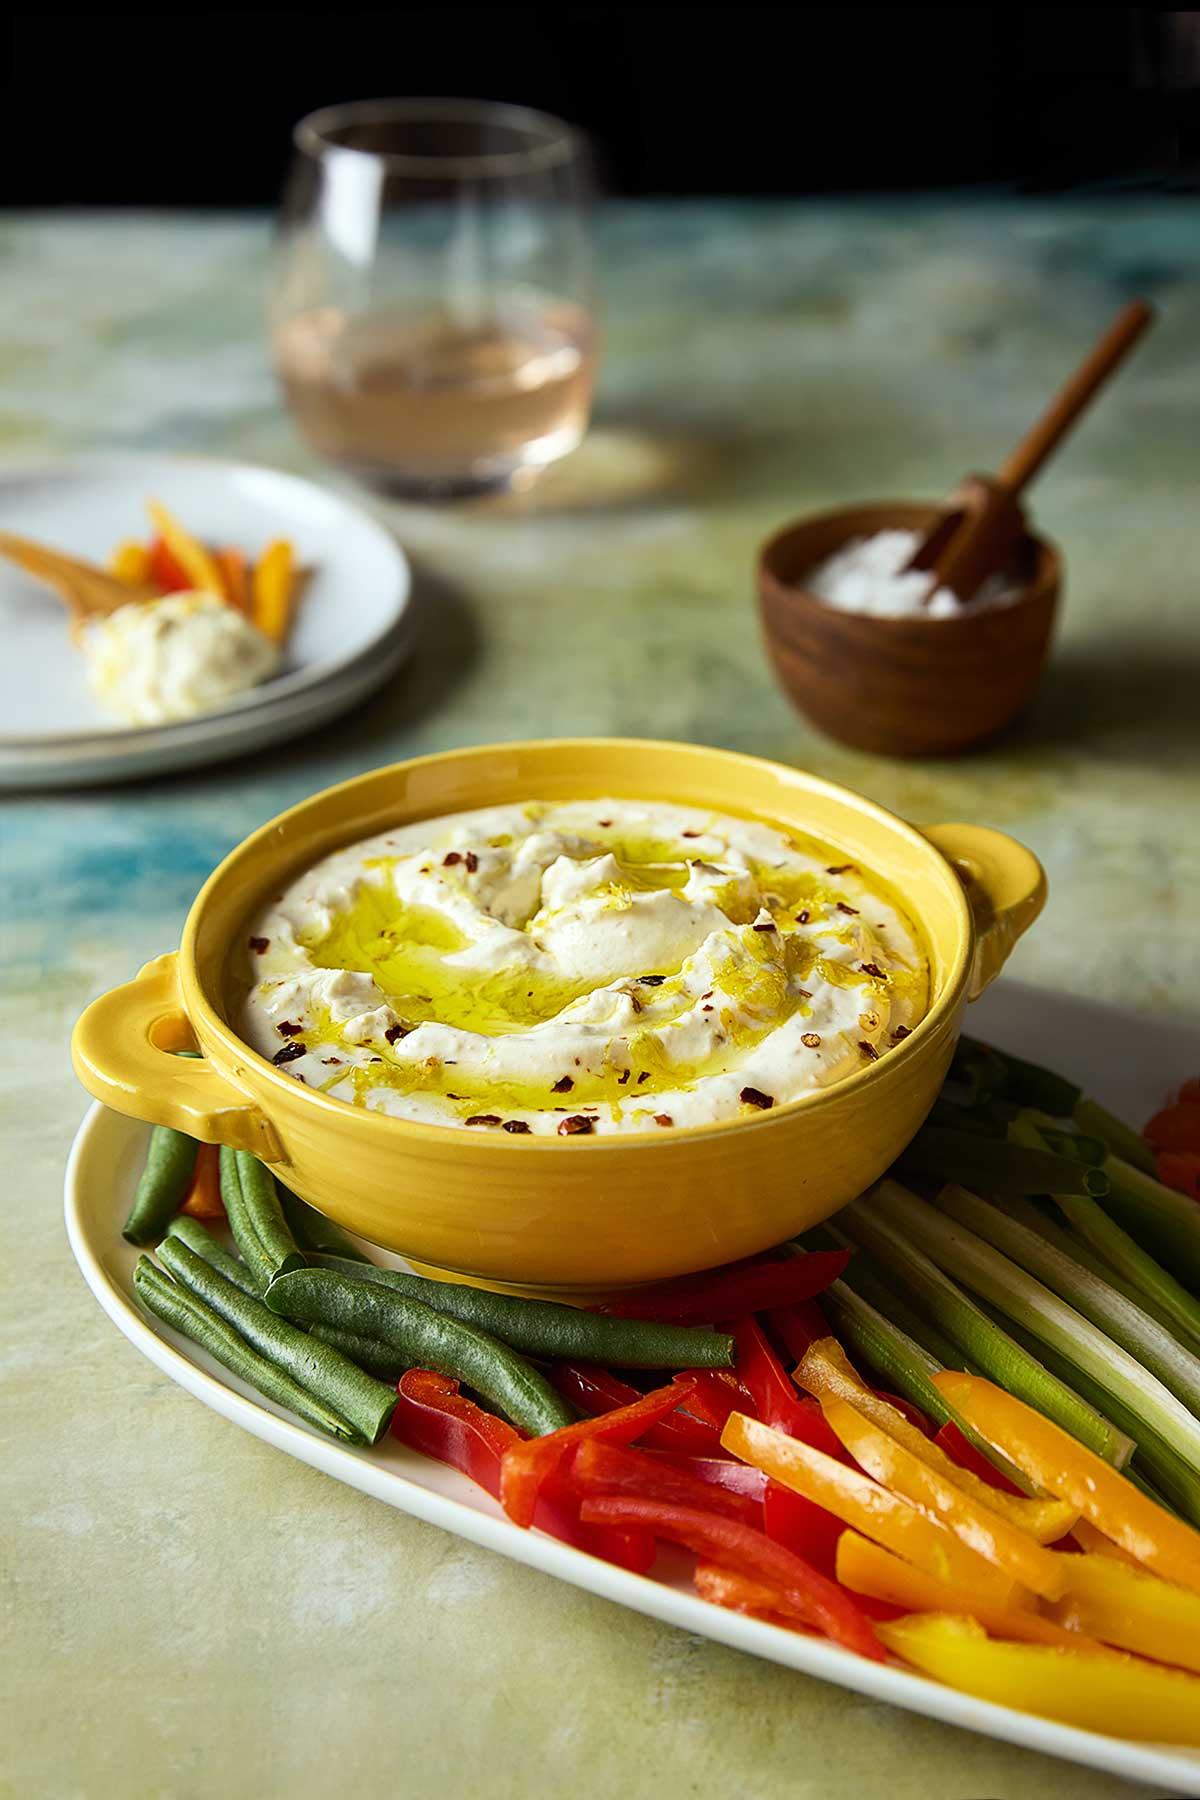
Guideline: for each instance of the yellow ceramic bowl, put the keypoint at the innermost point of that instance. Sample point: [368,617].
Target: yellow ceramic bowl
[543,1212]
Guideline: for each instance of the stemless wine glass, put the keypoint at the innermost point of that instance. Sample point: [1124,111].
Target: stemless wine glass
[431,312]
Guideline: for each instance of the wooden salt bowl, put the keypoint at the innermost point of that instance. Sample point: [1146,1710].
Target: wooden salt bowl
[902,687]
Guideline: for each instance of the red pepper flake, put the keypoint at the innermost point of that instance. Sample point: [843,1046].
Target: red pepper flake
[706,1009]
[750,1096]
[425,869]
[868,1050]
[484,1119]
[691,834]
[563,1085]
[451,857]
[518,1127]
[395,1032]
[289,1029]
[803,994]
[450,1096]
[332,1059]
[623,1077]
[651,980]
[376,1059]
[258,945]
[802,917]
[812,1040]
[644,1076]
[472,862]
[838,868]
[851,911]
[767,925]
[663,1119]
[873,969]
[289,1053]
[900,1033]
[604,824]
[575,1126]
[707,996]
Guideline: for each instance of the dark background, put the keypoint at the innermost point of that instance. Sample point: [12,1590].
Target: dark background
[195,108]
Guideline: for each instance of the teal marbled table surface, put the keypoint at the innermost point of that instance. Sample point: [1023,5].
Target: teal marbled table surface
[189,1613]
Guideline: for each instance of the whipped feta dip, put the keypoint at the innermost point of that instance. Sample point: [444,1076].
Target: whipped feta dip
[867,576]
[577,969]
[157,660]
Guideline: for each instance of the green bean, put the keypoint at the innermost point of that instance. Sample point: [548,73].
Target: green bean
[427,1339]
[313,1231]
[170,1162]
[244,1234]
[989,1165]
[324,1372]
[376,1358]
[265,1215]
[547,1328]
[199,1239]
[188,1315]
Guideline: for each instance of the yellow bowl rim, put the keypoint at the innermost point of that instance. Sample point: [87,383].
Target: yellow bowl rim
[420,1131]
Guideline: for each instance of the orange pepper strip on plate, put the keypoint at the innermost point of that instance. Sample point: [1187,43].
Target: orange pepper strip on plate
[203,1198]
[1054,1460]
[1096,1544]
[1118,1695]
[235,578]
[130,561]
[1003,1545]
[271,586]
[195,561]
[826,1372]
[861,1502]
[869,1569]
[1128,1607]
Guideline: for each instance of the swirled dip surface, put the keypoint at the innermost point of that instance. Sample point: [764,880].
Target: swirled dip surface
[592,967]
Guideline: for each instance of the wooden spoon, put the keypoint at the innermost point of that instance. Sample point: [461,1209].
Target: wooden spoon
[982,522]
[89,592]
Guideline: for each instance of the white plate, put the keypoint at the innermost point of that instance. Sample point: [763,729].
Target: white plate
[1072,1035]
[352,628]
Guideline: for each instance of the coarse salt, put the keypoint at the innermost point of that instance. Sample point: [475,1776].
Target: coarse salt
[864,576]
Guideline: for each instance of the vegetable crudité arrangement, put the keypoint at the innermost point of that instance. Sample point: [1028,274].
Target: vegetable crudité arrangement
[174,561]
[960,1423]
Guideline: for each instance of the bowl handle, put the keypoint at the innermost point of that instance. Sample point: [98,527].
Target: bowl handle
[1006,890]
[123,1048]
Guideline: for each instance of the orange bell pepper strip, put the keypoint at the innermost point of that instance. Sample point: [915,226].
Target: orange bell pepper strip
[1054,1460]
[1096,1544]
[1002,1544]
[857,1500]
[1119,1695]
[235,578]
[1127,1607]
[1176,1127]
[130,561]
[869,1569]
[271,587]
[826,1372]
[203,1198]
[188,552]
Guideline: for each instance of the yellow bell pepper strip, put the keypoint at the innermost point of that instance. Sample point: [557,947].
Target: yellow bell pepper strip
[235,577]
[827,1372]
[869,1569]
[999,1543]
[273,582]
[1128,1607]
[1118,1695]
[1054,1460]
[130,561]
[855,1498]
[195,561]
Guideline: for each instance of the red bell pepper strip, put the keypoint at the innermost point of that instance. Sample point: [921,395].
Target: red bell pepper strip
[747,1552]
[776,1401]
[912,1413]
[596,1390]
[724,1587]
[755,1287]
[738,1477]
[1189,1093]
[802,1526]
[960,1450]
[799,1326]
[528,1464]
[166,572]
[433,1417]
[715,1394]
[1180,1169]
[600,1468]
[1176,1127]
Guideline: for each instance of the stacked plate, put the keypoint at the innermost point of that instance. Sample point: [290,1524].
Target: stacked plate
[353,626]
